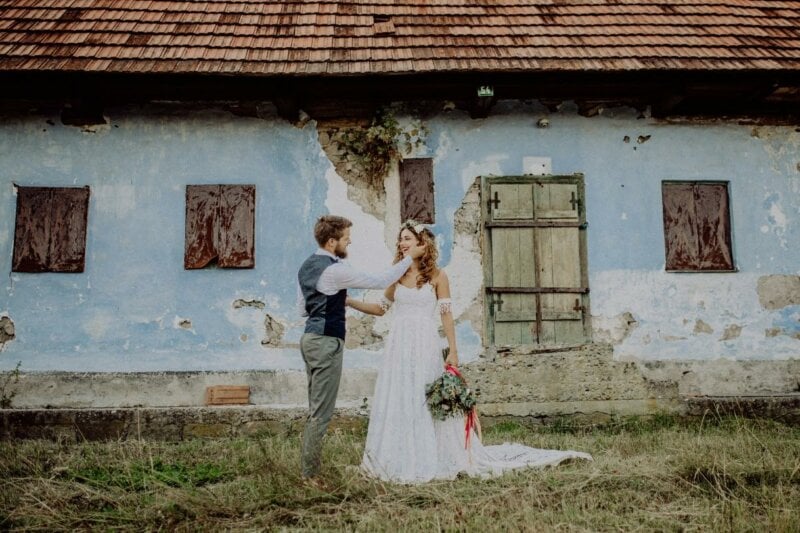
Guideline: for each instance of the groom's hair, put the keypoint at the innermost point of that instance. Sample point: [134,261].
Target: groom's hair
[330,227]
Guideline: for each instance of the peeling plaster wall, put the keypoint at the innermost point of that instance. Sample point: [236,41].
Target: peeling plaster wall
[646,313]
[136,309]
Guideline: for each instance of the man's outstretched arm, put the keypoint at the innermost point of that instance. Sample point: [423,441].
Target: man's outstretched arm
[343,276]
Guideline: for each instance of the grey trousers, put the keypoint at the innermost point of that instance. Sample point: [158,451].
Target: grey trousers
[323,358]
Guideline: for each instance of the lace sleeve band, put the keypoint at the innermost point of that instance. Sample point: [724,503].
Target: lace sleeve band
[385,303]
[445,305]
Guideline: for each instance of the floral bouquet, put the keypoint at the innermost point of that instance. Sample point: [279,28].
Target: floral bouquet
[449,395]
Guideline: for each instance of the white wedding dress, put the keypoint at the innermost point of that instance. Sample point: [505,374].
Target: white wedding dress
[404,443]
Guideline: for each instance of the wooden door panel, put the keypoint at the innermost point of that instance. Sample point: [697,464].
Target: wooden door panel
[512,257]
[556,200]
[569,332]
[562,318]
[510,201]
[515,307]
[514,333]
[559,257]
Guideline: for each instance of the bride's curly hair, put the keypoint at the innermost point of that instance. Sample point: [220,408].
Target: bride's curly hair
[427,263]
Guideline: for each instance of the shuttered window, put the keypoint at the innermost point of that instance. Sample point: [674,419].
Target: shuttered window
[697,228]
[416,190]
[50,230]
[535,260]
[220,226]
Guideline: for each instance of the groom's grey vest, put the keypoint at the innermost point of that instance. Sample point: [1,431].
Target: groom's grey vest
[326,314]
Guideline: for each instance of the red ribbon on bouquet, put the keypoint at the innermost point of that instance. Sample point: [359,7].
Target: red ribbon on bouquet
[472,422]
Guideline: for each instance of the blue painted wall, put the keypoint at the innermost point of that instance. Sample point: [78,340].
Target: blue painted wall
[123,312]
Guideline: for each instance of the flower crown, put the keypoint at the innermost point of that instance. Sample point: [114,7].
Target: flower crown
[413,225]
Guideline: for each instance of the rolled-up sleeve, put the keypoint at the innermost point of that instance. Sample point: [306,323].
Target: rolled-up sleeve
[301,303]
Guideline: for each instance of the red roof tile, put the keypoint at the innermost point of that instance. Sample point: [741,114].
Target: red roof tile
[332,37]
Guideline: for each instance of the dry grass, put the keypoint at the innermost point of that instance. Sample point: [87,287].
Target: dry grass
[663,474]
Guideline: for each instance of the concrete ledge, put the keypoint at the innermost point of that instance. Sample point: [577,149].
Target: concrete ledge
[111,390]
[75,425]
[160,423]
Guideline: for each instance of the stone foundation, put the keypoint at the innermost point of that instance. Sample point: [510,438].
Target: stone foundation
[584,384]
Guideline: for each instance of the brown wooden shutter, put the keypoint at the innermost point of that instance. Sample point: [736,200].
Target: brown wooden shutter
[32,230]
[200,246]
[70,208]
[237,226]
[416,190]
[713,227]
[696,226]
[220,224]
[680,229]
[50,232]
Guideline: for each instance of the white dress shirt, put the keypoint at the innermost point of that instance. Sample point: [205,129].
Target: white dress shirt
[342,275]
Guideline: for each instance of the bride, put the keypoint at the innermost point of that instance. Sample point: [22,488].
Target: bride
[404,443]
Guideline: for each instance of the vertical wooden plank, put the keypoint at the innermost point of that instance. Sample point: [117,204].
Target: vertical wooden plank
[236,226]
[568,327]
[565,255]
[713,226]
[681,242]
[544,272]
[527,264]
[560,266]
[32,230]
[200,246]
[504,255]
[67,250]
[416,190]
[544,248]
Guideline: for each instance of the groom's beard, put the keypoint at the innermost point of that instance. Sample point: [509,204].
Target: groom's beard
[340,253]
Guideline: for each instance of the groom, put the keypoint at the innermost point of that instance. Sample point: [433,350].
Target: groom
[324,281]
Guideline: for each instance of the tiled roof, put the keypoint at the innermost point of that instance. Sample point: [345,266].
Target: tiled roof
[345,37]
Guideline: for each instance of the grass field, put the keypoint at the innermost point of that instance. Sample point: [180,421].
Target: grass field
[661,474]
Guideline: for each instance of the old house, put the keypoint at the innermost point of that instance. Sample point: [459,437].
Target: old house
[615,187]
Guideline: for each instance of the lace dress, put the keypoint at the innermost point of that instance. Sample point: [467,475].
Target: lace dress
[404,443]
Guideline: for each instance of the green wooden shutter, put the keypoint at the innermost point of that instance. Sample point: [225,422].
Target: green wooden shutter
[535,263]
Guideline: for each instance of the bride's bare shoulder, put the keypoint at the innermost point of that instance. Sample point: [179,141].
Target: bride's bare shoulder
[439,277]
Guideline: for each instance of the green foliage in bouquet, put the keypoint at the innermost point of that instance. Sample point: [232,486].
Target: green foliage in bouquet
[449,396]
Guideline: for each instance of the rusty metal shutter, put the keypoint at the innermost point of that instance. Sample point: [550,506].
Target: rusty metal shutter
[50,231]
[416,190]
[220,225]
[697,233]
